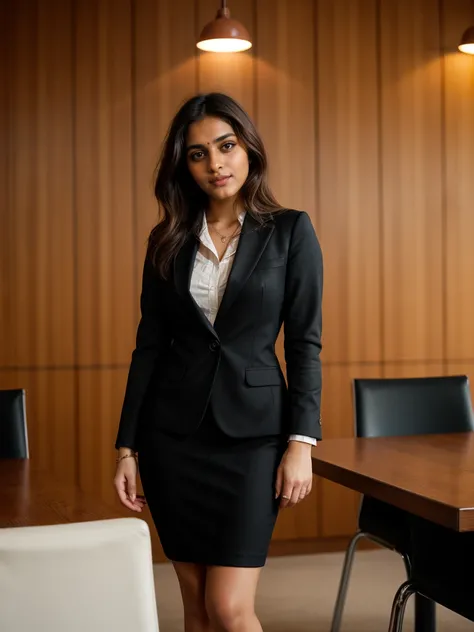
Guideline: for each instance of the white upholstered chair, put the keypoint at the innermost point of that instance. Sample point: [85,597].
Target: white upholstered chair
[81,577]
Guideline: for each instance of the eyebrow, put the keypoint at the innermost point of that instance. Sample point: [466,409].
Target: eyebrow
[216,140]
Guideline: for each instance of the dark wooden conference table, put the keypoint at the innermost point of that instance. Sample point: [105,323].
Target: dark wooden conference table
[431,476]
[30,497]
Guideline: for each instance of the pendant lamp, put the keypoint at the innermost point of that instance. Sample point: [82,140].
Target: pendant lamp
[466,44]
[223,34]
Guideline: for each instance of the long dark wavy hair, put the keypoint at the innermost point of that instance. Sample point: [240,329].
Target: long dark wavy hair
[181,201]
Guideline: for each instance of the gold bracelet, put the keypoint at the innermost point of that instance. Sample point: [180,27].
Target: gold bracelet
[126,456]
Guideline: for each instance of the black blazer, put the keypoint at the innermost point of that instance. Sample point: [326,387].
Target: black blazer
[182,363]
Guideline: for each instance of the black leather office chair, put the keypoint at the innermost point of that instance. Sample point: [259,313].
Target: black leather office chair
[442,563]
[399,407]
[13,429]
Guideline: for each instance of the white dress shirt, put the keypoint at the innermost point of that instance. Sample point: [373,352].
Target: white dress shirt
[209,279]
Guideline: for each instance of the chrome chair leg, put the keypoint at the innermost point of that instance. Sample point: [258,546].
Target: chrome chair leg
[407,562]
[399,604]
[346,572]
[344,582]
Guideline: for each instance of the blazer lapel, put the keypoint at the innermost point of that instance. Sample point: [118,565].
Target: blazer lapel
[183,268]
[253,241]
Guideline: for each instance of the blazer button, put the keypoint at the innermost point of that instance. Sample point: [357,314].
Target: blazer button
[214,345]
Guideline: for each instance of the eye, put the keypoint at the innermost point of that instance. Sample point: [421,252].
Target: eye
[228,146]
[196,156]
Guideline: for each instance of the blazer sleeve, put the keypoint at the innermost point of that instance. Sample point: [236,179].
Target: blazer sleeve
[151,340]
[302,328]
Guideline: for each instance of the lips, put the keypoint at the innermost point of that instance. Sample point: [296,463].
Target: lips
[221,181]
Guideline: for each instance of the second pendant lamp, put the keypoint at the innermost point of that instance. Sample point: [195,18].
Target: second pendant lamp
[466,44]
[223,34]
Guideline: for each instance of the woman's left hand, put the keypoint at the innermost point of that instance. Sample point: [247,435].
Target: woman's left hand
[295,474]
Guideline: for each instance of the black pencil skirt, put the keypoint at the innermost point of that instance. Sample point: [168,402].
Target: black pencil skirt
[212,497]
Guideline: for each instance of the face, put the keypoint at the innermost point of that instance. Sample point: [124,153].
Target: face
[216,159]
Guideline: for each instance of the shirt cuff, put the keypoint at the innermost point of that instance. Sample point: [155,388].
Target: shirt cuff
[303,439]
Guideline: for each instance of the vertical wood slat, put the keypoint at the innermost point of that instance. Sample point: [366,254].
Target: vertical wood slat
[348,146]
[103,160]
[39,309]
[285,103]
[286,109]
[459,181]
[6,119]
[16,285]
[53,209]
[411,140]
[165,75]
[19,344]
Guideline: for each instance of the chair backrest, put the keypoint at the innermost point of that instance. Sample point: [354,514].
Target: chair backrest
[412,406]
[92,576]
[13,427]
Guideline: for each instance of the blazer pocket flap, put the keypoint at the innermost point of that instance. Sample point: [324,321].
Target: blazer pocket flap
[265,376]
[266,264]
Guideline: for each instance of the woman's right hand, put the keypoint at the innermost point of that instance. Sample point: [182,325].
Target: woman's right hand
[125,483]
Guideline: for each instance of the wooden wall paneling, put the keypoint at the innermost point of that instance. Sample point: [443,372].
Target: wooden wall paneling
[18,289]
[6,211]
[413,369]
[19,347]
[103,175]
[285,114]
[54,207]
[40,220]
[285,98]
[164,75]
[232,74]
[50,409]
[285,103]
[349,179]
[100,396]
[459,196]
[410,72]
[338,506]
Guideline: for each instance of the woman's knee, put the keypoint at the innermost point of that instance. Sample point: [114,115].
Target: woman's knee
[230,598]
[226,613]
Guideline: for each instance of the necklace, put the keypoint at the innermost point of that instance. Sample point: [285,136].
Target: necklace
[225,238]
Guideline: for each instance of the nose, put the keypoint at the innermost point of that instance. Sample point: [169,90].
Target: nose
[214,161]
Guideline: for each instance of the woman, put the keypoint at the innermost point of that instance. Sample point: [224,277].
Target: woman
[222,442]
